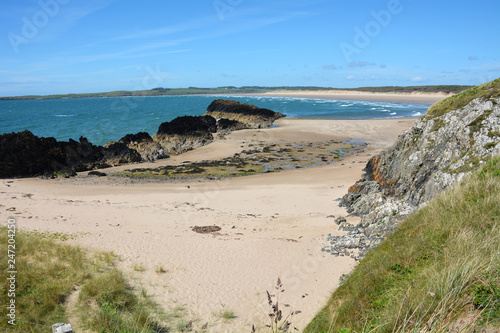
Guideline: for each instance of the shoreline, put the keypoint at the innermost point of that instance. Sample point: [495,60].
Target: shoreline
[357,96]
[272,225]
[414,97]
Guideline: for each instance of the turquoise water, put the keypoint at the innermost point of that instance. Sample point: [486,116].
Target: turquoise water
[107,119]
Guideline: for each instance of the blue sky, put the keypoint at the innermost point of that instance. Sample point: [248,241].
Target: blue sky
[74,46]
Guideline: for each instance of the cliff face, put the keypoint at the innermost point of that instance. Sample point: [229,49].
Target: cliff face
[439,150]
[250,115]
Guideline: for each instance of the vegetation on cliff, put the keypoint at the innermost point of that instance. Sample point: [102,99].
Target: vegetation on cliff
[488,90]
[439,271]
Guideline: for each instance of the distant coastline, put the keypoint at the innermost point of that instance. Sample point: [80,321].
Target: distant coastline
[413,97]
[417,94]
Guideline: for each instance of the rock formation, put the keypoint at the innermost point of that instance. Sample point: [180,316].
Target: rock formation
[455,137]
[144,144]
[185,133]
[226,126]
[23,154]
[250,115]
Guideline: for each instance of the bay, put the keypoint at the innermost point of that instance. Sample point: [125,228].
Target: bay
[101,120]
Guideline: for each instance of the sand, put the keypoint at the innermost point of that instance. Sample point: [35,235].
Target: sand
[272,225]
[427,98]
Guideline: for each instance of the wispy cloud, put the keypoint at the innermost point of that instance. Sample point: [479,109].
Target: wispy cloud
[69,15]
[167,30]
[129,54]
[331,67]
[360,64]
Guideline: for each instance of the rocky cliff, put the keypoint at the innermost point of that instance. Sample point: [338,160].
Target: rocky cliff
[250,115]
[455,137]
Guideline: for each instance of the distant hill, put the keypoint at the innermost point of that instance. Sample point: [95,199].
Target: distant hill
[246,90]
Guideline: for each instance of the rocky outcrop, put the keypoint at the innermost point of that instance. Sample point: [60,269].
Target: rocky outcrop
[185,133]
[23,154]
[226,126]
[144,144]
[250,115]
[439,150]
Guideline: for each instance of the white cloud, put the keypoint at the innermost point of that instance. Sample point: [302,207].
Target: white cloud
[417,79]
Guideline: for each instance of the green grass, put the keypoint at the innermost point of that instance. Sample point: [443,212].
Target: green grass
[487,90]
[108,304]
[442,263]
[225,314]
[47,272]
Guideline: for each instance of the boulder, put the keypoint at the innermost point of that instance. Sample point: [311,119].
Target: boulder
[144,144]
[227,125]
[185,133]
[250,115]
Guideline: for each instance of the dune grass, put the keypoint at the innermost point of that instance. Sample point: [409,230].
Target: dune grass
[487,90]
[48,271]
[440,268]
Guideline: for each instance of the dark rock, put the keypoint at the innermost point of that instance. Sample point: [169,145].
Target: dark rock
[118,153]
[185,133]
[136,138]
[144,144]
[65,173]
[250,115]
[340,220]
[228,125]
[189,126]
[25,155]
[97,173]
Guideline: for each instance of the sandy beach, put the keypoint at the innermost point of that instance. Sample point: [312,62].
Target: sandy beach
[363,96]
[272,225]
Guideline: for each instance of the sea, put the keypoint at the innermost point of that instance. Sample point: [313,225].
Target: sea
[101,120]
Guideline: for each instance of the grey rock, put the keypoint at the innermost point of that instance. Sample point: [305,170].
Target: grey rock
[425,160]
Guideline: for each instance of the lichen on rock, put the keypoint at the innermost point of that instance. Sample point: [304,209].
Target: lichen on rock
[437,152]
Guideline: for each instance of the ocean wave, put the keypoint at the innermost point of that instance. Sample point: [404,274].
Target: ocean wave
[394,113]
[416,114]
[64,115]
